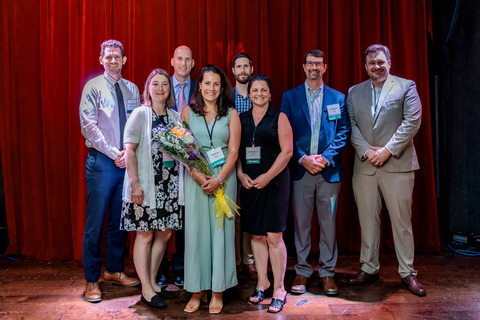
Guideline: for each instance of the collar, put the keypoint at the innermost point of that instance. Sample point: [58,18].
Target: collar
[238,93]
[110,80]
[175,82]
[389,78]
[308,89]
[270,112]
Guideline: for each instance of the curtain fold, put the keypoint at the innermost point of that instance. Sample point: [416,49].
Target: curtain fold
[51,49]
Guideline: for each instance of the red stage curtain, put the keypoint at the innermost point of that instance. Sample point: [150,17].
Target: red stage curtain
[50,49]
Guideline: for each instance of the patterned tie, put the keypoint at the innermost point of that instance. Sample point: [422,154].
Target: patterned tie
[121,112]
[181,98]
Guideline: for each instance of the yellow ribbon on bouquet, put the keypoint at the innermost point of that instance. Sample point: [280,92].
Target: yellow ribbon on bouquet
[222,206]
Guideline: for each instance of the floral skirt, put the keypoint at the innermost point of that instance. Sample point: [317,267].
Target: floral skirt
[137,217]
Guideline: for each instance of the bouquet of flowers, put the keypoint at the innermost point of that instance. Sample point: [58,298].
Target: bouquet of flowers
[178,141]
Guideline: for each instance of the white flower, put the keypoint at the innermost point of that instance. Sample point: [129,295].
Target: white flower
[188,138]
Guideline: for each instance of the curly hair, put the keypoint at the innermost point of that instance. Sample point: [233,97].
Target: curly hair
[110,44]
[147,100]
[224,101]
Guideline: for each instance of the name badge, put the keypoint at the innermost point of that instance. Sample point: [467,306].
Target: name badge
[131,104]
[253,155]
[334,112]
[216,157]
[168,161]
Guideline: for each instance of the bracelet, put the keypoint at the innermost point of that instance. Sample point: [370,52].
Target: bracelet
[222,182]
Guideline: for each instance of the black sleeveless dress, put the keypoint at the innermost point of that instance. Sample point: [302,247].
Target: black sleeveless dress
[263,210]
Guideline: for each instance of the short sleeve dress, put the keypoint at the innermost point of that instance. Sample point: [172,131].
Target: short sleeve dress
[166,215]
[263,210]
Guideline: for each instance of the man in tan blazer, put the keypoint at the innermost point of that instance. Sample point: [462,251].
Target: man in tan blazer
[385,113]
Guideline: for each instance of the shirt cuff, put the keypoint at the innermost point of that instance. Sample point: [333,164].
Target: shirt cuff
[301,159]
[364,157]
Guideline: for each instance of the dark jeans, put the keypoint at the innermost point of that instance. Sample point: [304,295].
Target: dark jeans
[104,190]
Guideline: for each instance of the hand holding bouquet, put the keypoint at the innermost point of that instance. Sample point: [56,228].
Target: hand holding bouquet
[178,141]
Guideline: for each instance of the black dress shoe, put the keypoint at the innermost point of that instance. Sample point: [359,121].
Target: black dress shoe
[156,302]
[179,281]
[277,303]
[162,281]
[165,295]
[259,294]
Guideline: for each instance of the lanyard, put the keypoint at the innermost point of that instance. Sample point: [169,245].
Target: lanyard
[253,137]
[210,133]
[375,98]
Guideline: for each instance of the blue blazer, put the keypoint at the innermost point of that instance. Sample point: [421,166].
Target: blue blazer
[334,134]
[191,89]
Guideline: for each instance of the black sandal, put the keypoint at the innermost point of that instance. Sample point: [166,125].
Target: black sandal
[277,303]
[259,294]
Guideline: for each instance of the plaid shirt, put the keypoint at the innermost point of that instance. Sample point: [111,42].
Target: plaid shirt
[241,104]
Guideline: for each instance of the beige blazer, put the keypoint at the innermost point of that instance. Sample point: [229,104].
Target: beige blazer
[395,123]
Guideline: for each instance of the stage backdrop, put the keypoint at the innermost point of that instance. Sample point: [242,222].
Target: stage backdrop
[50,48]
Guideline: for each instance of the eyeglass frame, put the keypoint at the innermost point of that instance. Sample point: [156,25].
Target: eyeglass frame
[318,64]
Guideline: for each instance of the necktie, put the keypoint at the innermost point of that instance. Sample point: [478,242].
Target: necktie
[121,112]
[181,98]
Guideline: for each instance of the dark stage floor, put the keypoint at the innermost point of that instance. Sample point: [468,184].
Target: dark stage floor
[43,290]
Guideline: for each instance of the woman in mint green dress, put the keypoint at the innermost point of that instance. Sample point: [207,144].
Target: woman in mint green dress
[210,248]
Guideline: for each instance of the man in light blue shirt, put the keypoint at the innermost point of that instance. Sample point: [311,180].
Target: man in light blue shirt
[107,101]
[321,128]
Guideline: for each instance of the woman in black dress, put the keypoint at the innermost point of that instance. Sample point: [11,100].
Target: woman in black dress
[265,149]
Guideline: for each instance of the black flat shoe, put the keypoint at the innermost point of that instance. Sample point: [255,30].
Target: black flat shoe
[166,295]
[259,294]
[156,302]
[277,303]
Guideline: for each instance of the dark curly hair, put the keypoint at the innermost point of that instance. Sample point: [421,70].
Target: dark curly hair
[224,101]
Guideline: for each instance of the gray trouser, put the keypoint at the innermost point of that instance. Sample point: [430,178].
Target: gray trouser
[310,190]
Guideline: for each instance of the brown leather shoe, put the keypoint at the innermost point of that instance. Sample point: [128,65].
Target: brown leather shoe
[92,292]
[299,285]
[362,277]
[414,286]
[251,271]
[121,279]
[329,286]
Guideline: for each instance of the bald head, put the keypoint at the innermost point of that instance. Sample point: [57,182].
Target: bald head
[182,63]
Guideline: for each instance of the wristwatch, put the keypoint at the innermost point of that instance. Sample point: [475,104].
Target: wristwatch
[222,182]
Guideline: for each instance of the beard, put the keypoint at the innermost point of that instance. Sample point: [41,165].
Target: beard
[379,77]
[314,75]
[242,81]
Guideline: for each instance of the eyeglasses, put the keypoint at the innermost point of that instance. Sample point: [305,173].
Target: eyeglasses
[311,63]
